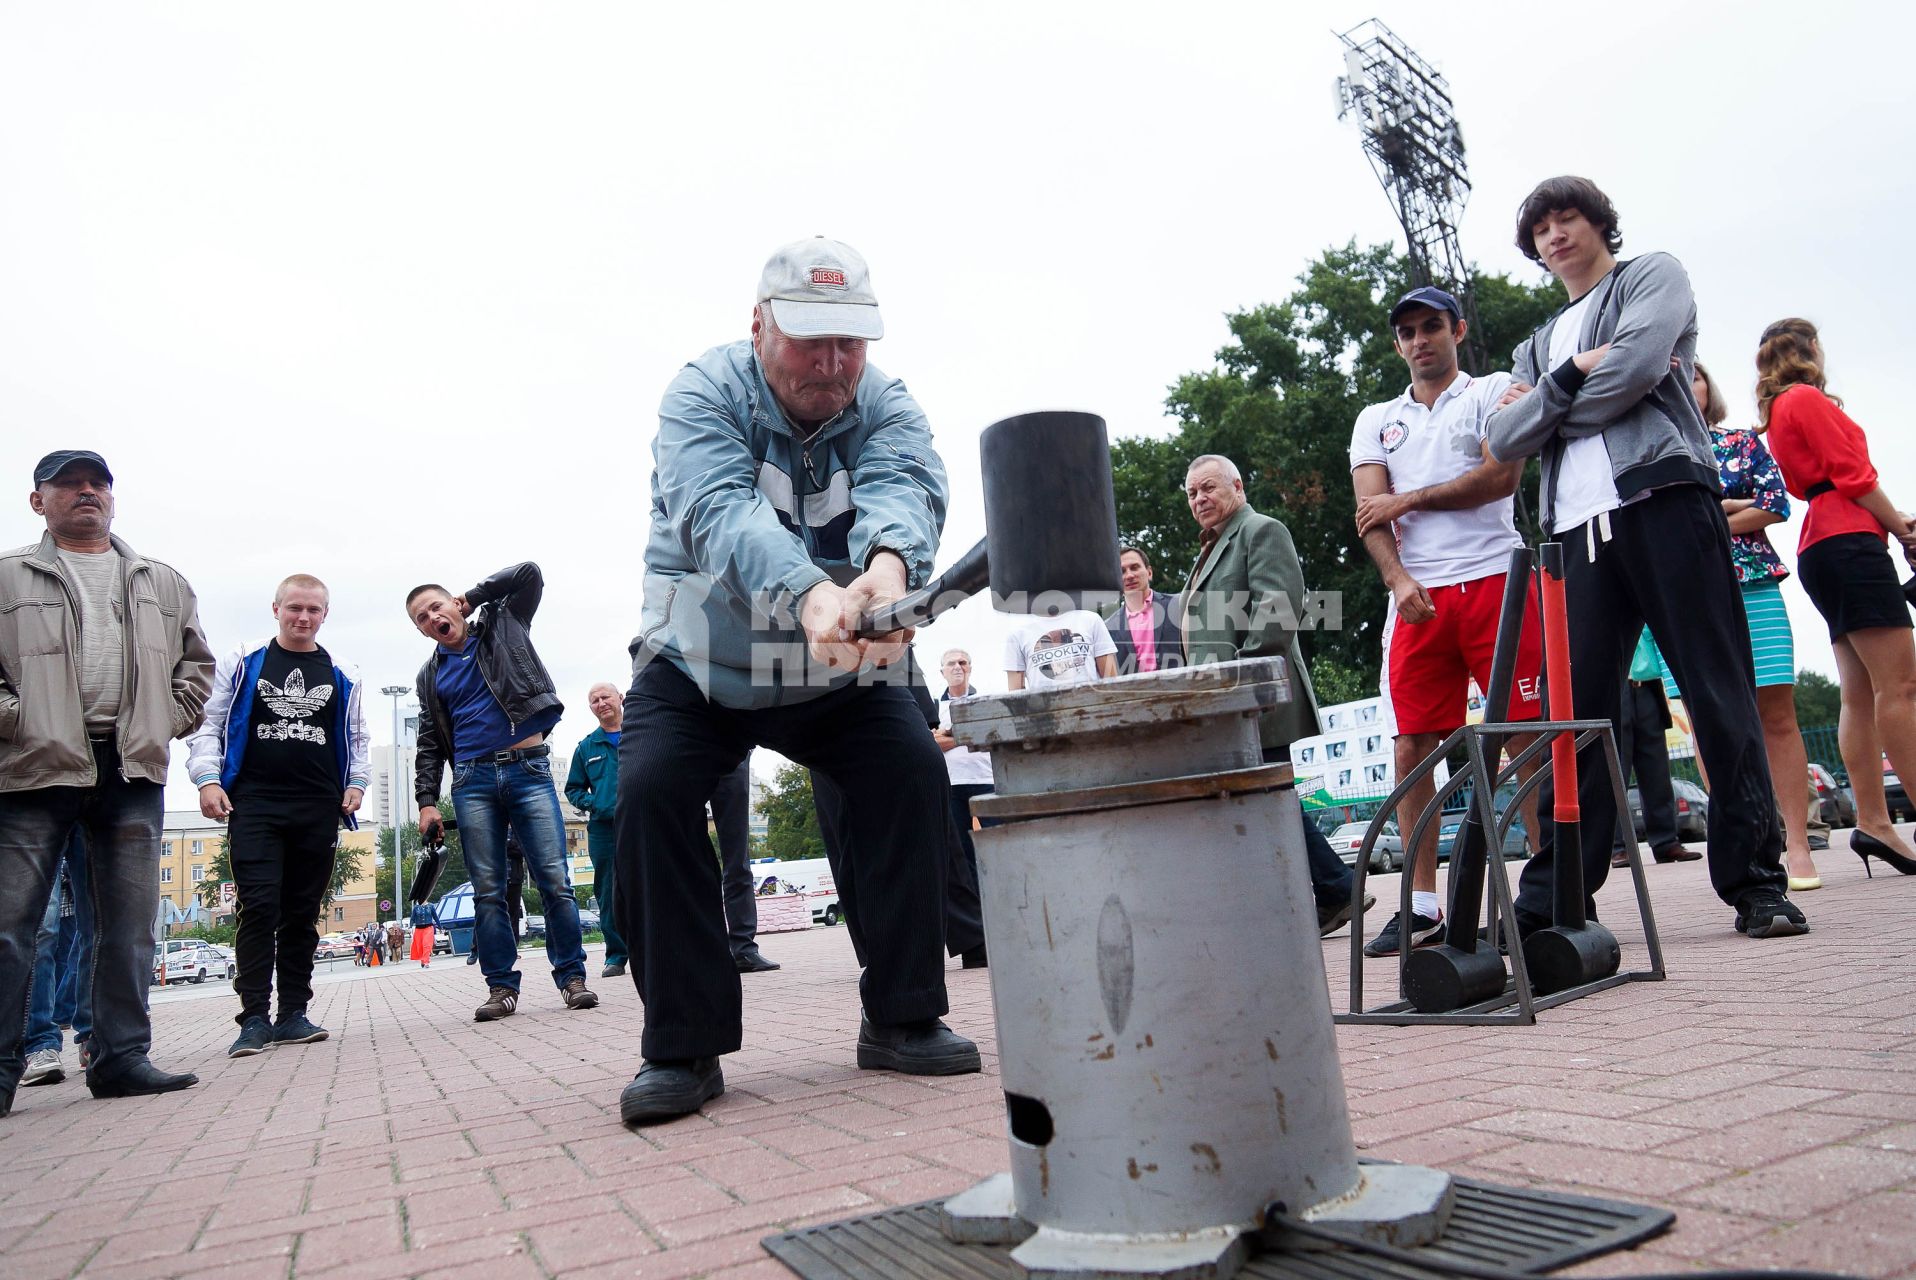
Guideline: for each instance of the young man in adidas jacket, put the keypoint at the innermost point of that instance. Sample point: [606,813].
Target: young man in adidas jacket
[282,760]
[1630,479]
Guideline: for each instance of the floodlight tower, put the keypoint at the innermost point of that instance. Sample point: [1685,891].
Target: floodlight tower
[1403,107]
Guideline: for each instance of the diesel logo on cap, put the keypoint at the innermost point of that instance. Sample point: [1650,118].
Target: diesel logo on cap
[828,276]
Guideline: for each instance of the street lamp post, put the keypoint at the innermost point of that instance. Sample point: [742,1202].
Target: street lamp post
[394,774]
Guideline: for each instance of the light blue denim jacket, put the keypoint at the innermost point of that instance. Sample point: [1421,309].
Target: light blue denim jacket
[747,517]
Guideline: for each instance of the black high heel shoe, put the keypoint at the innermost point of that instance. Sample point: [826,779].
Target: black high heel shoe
[1867,846]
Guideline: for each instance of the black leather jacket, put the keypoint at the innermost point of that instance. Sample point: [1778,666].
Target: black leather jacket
[501,626]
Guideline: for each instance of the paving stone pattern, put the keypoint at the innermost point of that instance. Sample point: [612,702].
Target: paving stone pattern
[1766,1093]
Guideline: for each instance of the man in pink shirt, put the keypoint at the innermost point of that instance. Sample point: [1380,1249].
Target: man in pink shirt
[1144,624]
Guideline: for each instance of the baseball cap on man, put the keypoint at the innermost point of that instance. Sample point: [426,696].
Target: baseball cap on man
[821,288]
[1426,296]
[60,459]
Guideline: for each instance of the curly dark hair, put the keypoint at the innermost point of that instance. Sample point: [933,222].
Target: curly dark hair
[1566,192]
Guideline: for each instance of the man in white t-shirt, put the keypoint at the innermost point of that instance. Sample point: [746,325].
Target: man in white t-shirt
[1434,511]
[1073,648]
[970,769]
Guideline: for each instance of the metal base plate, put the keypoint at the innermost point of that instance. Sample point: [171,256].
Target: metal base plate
[1514,1227]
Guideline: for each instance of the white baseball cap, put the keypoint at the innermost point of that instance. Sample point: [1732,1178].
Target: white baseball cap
[821,288]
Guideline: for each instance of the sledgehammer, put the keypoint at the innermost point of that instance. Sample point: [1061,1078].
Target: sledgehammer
[1461,971]
[1051,522]
[1574,949]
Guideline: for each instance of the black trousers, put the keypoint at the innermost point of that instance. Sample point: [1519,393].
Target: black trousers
[962,794]
[964,914]
[677,746]
[1665,563]
[1643,752]
[732,817]
[282,855]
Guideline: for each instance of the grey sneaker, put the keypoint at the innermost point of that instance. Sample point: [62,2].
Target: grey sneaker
[256,1036]
[43,1067]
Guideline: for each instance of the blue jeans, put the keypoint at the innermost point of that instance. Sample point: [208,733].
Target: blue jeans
[62,955]
[121,821]
[487,797]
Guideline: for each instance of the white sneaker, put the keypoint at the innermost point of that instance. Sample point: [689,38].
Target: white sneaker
[43,1067]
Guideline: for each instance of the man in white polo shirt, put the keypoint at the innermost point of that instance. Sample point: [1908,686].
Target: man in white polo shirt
[1434,511]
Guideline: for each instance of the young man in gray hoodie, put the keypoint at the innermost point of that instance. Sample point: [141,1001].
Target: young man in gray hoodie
[1630,487]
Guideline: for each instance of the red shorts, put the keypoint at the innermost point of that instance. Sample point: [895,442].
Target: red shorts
[1428,665]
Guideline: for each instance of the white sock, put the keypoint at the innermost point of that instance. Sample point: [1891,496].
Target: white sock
[1424,903]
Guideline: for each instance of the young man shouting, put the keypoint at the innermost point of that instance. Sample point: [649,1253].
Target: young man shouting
[487,704]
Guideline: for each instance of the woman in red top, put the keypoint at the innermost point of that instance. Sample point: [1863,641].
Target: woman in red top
[1843,562]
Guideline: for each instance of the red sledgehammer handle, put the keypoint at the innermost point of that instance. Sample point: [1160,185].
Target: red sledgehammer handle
[1556,658]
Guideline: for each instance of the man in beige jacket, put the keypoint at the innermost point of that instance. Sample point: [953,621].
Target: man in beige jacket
[102,665]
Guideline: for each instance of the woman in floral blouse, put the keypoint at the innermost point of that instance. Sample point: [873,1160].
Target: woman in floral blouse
[1754,498]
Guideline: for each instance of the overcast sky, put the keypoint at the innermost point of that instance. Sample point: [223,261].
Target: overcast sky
[389,293]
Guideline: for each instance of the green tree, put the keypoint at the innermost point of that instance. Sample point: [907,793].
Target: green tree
[791,823]
[1281,403]
[1818,700]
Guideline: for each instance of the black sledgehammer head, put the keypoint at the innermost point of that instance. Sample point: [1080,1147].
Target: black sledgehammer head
[1560,958]
[1051,525]
[1051,520]
[1442,978]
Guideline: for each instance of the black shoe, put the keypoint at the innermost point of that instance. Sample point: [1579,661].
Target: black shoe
[1424,932]
[297,1028]
[472,957]
[1675,853]
[1867,846]
[1331,919]
[143,1079]
[752,960]
[1765,913]
[663,1090]
[256,1036]
[928,1048]
[974,957]
[614,970]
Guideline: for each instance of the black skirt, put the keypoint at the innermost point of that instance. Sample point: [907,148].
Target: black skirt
[1852,582]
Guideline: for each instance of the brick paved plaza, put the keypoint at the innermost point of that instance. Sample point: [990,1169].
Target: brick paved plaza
[1766,1094]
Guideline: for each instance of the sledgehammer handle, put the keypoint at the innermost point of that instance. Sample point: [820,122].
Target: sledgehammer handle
[1567,854]
[1469,850]
[946,591]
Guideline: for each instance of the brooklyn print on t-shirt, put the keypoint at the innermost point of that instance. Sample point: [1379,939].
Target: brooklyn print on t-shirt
[1062,655]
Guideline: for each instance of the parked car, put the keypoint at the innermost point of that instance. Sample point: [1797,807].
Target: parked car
[588,920]
[333,945]
[1387,854]
[535,929]
[185,960]
[220,960]
[1692,811]
[1895,796]
[1837,805]
[1516,838]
